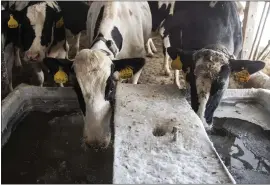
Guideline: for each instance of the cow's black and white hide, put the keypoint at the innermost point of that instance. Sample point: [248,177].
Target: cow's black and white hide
[10,43]
[208,38]
[40,32]
[43,25]
[162,12]
[116,44]
[75,16]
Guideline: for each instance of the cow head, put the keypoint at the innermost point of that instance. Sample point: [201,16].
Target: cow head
[41,26]
[208,71]
[95,84]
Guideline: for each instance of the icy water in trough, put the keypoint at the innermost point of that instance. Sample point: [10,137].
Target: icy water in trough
[46,148]
[245,149]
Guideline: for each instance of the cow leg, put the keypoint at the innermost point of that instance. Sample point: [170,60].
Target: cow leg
[166,44]
[9,58]
[18,62]
[77,45]
[136,77]
[176,78]
[39,74]
[9,68]
[151,48]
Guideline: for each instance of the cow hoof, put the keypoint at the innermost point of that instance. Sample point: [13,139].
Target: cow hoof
[168,73]
[150,55]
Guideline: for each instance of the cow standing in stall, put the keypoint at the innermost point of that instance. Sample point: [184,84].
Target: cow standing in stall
[161,12]
[205,40]
[118,33]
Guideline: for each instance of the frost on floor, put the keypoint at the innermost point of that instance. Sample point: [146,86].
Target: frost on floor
[140,157]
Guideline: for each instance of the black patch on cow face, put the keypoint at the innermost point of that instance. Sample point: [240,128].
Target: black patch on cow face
[47,27]
[218,87]
[117,37]
[27,32]
[110,87]
[99,19]
[80,97]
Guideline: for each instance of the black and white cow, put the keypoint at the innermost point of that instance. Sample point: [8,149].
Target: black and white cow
[161,13]
[75,16]
[37,31]
[204,41]
[42,27]
[9,42]
[118,33]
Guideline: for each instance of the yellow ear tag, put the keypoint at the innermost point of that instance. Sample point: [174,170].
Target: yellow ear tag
[177,63]
[60,23]
[60,77]
[242,76]
[12,23]
[126,73]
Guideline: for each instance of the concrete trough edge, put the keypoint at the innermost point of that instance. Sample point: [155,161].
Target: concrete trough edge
[259,95]
[26,98]
[228,174]
[234,96]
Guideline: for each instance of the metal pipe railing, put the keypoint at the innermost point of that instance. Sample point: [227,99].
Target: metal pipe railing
[264,51]
[260,38]
[257,32]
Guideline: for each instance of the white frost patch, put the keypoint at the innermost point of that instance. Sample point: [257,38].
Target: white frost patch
[141,157]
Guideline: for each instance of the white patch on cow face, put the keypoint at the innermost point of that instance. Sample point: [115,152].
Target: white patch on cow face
[203,90]
[92,68]
[36,15]
[208,66]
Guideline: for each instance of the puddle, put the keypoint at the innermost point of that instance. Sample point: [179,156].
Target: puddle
[46,148]
[245,149]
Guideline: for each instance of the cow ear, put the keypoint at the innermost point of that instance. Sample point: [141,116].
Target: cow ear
[125,68]
[252,66]
[180,58]
[54,64]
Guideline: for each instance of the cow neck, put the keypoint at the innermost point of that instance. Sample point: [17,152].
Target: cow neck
[108,43]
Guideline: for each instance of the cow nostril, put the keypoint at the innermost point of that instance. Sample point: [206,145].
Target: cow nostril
[96,145]
[36,56]
[32,56]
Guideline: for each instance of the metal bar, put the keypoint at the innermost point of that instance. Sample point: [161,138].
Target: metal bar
[250,11]
[264,51]
[260,38]
[266,55]
[257,32]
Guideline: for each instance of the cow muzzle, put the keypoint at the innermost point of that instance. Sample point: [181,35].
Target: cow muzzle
[33,56]
[97,143]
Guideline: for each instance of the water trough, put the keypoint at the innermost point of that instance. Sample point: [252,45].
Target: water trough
[158,138]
